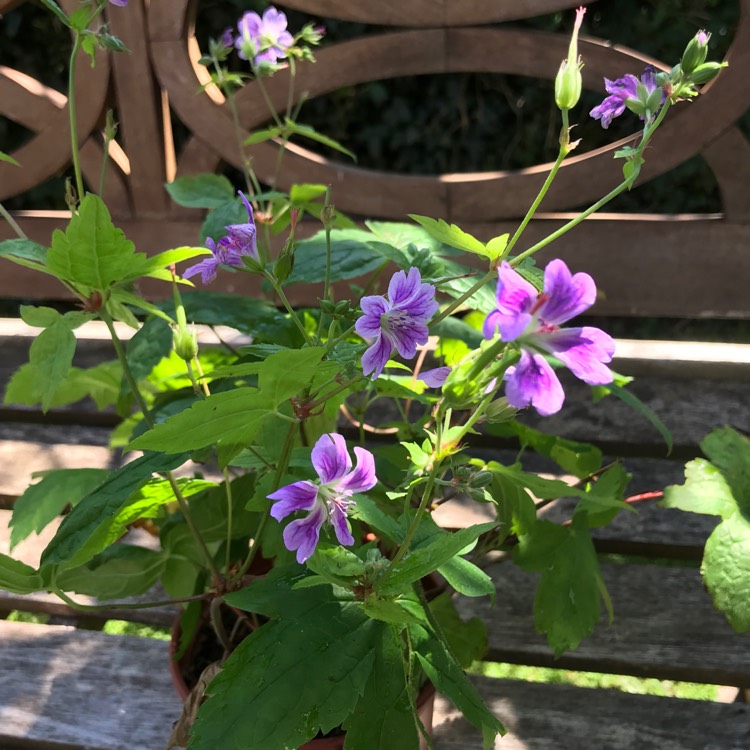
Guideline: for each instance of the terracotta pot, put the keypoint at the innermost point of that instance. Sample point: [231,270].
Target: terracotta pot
[425,699]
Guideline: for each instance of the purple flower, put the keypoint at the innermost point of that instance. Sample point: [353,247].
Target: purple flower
[120,3]
[227,37]
[396,323]
[327,500]
[532,320]
[622,91]
[239,241]
[263,39]
[436,377]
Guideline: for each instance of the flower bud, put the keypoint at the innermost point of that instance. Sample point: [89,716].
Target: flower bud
[568,82]
[185,343]
[500,411]
[282,269]
[328,215]
[706,72]
[695,52]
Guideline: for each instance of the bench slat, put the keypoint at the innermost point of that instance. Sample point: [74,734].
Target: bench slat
[665,627]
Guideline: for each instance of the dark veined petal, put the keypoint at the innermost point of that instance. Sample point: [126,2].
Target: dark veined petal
[584,351]
[533,381]
[293,497]
[373,308]
[436,377]
[330,458]
[515,298]
[341,526]
[408,337]
[566,295]
[206,268]
[402,285]
[302,535]
[376,357]
[363,477]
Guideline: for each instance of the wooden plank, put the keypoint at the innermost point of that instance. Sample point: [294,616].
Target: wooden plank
[83,688]
[562,717]
[679,283]
[665,626]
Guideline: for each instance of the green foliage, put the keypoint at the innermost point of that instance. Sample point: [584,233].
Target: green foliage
[17,577]
[201,191]
[45,500]
[566,604]
[722,488]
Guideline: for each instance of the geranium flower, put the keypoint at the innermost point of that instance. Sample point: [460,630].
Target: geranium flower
[396,323]
[263,39]
[620,92]
[328,500]
[120,3]
[228,251]
[532,320]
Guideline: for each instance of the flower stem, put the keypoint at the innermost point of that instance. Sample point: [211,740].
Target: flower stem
[123,605]
[281,466]
[12,222]
[466,295]
[327,279]
[72,114]
[279,290]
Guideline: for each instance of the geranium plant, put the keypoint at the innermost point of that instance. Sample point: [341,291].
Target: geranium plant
[308,548]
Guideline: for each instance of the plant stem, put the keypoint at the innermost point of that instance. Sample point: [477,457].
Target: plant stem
[128,373]
[12,222]
[327,279]
[72,114]
[123,605]
[267,99]
[278,289]
[466,295]
[281,466]
[318,401]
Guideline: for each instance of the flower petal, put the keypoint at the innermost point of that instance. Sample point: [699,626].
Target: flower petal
[533,381]
[341,526]
[436,377]
[373,308]
[330,458]
[302,535]
[584,351]
[206,268]
[363,477]
[293,497]
[402,286]
[515,297]
[566,295]
[408,336]
[376,357]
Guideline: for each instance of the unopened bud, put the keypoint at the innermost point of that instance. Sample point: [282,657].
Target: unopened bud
[328,215]
[481,479]
[185,343]
[283,267]
[500,411]
[706,72]
[110,126]
[695,53]
[71,197]
[568,82]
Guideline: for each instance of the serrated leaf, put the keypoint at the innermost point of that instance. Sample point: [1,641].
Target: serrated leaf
[119,571]
[233,416]
[285,373]
[567,600]
[467,639]
[148,346]
[45,500]
[51,356]
[39,317]
[426,559]
[328,654]
[305,193]
[390,611]
[169,257]
[92,252]
[726,570]
[730,452]
[100,518]
[17,577]
[496,246]
[467,578]
[705,491]
[201,190]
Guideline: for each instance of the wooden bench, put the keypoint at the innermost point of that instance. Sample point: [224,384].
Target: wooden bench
[66,686]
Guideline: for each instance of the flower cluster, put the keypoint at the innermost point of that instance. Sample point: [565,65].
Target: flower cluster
[628,91]
[239,241]
[263,39]
[328,500]
[532,320]
[397,323]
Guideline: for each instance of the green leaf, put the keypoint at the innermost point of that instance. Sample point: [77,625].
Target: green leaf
[57,10]
[51,356]
[39,317]
[567,600]
[336,564]
[705,491]
[452,235]
[25,253]
[184,565]
[390,611]
[352,255]
[418,563]
[231,211]
[120,571]
[258,136]
[329,651]
[201,190]
[210,513]
[100,518]
[467,639]
[17,577]
[148,346]
[496,246]
[285,373]
[646,411]
[730,452]
[467,578]
[299,194]
[233,416]
[8,159]
[605,498]
[383,719]
[726,570]
[44,501]
[92,252]
[169,257]
[451,681]
[308,131]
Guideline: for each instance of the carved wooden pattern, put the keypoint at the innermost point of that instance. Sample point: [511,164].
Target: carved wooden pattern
[434,36]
